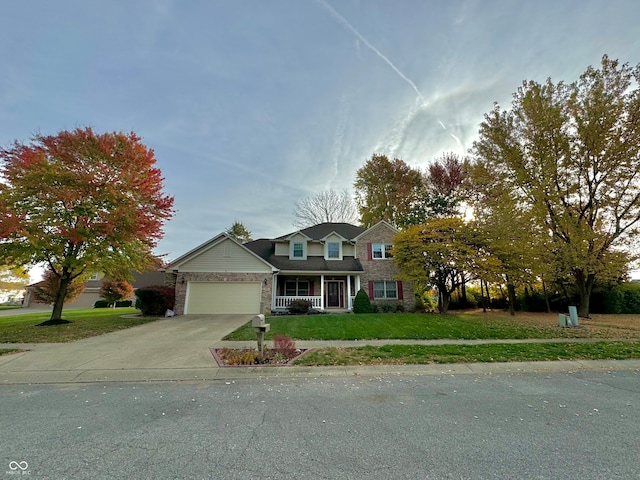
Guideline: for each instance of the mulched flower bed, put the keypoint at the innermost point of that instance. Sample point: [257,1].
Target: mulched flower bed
[246,357]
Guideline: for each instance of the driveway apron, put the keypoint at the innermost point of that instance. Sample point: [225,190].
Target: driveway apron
[170,343]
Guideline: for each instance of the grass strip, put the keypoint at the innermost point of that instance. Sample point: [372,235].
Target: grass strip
[403,326]
[7,351]
[85,323]
[501,352]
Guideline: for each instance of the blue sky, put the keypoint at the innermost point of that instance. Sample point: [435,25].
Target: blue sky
[252,105]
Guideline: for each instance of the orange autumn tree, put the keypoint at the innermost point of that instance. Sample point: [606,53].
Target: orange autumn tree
[115,290]
[81,202]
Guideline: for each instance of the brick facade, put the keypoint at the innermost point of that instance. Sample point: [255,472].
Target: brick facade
[381,269]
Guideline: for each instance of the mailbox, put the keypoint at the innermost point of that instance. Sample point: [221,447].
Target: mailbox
[261,328]
[259,325]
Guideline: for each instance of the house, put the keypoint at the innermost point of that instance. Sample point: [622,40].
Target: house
[326,264]
[91,293]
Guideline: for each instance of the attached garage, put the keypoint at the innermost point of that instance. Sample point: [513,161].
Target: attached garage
[223,298]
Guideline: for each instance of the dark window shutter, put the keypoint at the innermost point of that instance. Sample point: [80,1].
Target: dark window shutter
[369,251]
[311,283]
[400,296]
[371,289]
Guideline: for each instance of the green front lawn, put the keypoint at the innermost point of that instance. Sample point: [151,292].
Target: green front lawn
[501,352]
[404,326]
[85,323]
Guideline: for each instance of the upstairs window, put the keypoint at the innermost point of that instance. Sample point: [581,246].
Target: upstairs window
[333,250]
[381,250]
[298,250]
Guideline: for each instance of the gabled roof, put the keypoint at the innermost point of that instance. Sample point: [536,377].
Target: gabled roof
[380,223]
[322,230]
[175,264]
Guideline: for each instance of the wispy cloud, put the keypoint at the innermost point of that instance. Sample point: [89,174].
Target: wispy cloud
[361,37]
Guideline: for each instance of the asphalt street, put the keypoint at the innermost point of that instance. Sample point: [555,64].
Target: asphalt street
[474,426]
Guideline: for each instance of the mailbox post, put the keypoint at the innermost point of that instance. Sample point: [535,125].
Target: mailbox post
[261,328]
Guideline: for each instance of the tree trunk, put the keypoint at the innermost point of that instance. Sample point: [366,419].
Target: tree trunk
[546,297]
[65,280]
[484,303]
[486,285]
[585,286]
[511,295]
[463,288]
[444,297]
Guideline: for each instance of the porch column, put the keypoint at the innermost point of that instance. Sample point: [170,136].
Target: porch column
[274,290]
[322,291]
[348,292]
[357,283]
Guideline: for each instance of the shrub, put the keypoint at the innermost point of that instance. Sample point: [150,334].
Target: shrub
[155,300]
[105,304]
[284,345]
[391,307]
[299,307]
[623,298]
[362,304]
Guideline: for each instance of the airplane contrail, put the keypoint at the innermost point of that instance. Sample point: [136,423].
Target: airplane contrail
[346,23]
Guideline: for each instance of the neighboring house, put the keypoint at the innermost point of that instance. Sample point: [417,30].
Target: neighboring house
[91,293]
[11,297]
[326,264]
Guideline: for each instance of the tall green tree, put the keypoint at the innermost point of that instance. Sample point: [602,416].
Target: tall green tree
[239,232]
[81,202]
[505,232]
[387,190]
[571,154]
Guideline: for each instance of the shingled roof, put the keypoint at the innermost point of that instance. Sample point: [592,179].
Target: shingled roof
[265,249]
[321,230]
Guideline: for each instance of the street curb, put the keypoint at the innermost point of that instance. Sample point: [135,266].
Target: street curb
[207,374]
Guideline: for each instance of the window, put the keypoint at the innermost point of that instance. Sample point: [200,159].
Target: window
[385,289]
[94,277]
[298,250]
[296,288]
[333,250]
[381,250]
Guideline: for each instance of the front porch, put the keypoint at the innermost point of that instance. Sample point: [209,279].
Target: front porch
[325,292]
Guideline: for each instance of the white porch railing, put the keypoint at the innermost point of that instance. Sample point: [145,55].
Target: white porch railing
[283,302]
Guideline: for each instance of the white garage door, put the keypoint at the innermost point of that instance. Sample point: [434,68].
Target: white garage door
[223,297]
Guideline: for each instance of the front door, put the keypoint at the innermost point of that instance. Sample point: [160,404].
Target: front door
[333,294]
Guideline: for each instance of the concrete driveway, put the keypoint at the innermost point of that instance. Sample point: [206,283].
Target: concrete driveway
[180,343]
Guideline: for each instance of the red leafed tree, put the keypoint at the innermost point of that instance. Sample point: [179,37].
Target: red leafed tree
[47,290]
[81,202]
[444,185]
[116,290]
